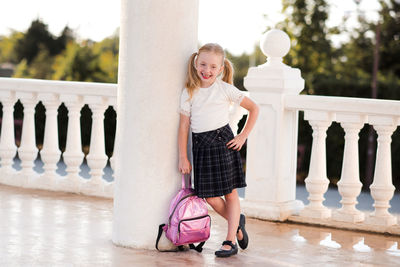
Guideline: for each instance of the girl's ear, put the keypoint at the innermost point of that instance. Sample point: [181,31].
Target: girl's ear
[221,70]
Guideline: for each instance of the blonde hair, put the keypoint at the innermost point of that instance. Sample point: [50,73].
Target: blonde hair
[193,80]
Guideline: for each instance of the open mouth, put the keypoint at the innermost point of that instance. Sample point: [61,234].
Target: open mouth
[205,76]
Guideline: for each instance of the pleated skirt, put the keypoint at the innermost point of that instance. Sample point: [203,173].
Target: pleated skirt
[217,169]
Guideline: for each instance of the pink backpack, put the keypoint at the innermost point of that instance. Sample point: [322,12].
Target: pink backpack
[188,220]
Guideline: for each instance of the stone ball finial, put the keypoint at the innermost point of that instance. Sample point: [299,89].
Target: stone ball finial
[275,43]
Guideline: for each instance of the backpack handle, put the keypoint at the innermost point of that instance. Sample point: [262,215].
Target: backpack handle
[184,182]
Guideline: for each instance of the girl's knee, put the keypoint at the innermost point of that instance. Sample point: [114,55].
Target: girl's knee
[212,200]
[232,195]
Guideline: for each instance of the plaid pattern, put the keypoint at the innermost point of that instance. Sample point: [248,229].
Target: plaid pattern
[217,169]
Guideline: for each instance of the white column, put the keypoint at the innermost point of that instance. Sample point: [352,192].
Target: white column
[73,155]
[382,188]
[7,140]
[349,184]
[96,158]
[50,154]
[156,40]
[272,146]
[317,181]
[27,151]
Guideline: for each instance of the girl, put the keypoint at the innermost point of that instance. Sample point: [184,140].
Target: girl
[217,164]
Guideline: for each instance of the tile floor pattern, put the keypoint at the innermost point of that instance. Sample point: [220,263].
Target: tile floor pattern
[39,228]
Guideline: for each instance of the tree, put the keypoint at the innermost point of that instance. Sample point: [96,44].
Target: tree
[7,45]
[311,49]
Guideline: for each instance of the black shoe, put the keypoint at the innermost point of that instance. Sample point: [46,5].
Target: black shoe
[227,253]
[245,240]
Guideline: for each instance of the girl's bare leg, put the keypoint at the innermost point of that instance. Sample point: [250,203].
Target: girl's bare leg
[230,210]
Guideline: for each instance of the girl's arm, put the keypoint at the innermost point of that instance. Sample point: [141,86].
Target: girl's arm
[183,132]
[237,142]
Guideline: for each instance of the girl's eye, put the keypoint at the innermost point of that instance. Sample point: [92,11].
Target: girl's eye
[202,64]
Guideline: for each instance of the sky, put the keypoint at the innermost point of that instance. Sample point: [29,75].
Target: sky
[236,25]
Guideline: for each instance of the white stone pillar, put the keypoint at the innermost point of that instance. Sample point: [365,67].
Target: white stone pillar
[349,184]
[272,146]
[27,151]
[7,140]
[382,188]
[156,40]
[96,158]
[50,154]
[317,181]
[73,155]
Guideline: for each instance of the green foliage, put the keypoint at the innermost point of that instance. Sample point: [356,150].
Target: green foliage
[7,46]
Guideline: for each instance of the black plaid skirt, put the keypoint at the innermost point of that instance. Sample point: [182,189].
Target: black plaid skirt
[217,169]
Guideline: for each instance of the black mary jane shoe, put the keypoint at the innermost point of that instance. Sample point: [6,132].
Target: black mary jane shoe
[244,242]
[227,253]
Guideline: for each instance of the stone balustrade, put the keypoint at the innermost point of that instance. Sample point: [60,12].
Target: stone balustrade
[272,148]
[52,94]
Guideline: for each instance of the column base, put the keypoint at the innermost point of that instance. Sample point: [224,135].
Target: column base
[317,213]
[346,216]
[388,220]
[276,211]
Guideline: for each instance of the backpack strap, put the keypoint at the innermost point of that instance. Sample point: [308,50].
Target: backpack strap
[183,182]
[189,185]
[160,230]
[198,248]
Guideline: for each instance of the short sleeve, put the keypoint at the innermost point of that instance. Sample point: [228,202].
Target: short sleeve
[234,95]
[185,103]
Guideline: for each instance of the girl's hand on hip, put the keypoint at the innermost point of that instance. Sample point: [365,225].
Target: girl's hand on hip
[237,142]
[184,166]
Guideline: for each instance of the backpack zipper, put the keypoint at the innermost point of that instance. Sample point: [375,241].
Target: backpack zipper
[172,213]
[191,219]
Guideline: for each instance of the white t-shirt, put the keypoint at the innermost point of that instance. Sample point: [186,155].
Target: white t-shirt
[209,107]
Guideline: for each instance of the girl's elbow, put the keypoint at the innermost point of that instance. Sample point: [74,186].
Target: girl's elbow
[255,109]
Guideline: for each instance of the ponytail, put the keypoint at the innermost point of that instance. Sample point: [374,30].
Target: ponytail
[192,79]
[227,75]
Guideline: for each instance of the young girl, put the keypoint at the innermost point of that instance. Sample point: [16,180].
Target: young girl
[217,164]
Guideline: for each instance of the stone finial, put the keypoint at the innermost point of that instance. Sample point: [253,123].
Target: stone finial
[275,44]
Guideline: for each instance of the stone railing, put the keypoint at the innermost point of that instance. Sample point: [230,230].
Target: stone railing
[51,94]
[272,148]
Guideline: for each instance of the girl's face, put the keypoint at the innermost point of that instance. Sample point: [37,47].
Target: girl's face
[209,66]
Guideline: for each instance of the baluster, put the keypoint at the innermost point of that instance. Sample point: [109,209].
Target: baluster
[349,184]
[382,189]
[97,158]
[73,155]
[27,151]
[317,181]
[7,141]
[50,153]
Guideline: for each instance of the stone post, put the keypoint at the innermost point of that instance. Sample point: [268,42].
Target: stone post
[272,146]
[156,40]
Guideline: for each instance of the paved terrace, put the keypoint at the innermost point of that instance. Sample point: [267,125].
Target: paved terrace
[41,228]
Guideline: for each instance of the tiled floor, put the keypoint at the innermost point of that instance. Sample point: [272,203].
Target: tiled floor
[39,228]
